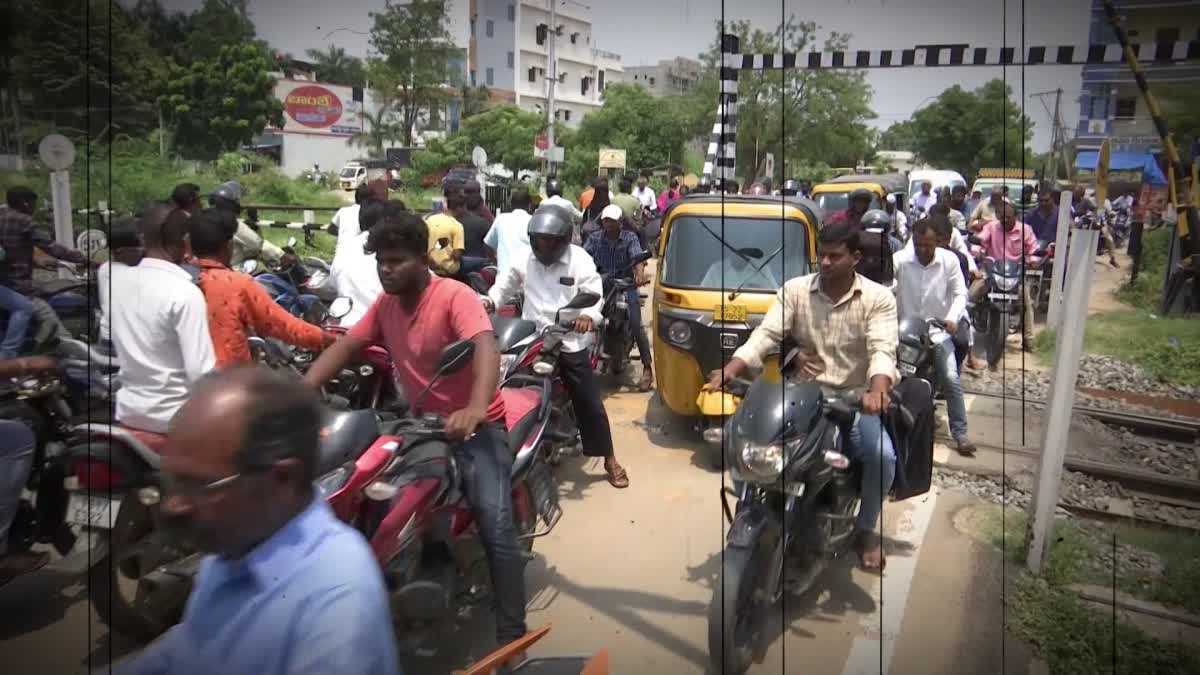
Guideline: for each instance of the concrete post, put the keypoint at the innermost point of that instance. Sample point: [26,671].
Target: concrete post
[1061,255]
[1068,349]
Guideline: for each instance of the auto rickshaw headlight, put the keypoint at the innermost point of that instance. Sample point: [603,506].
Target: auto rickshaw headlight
[680,332]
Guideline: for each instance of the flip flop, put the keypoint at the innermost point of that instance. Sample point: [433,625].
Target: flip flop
[618,477]
[862,558]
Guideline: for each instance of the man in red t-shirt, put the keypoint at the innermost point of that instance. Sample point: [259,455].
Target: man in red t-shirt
[417,316]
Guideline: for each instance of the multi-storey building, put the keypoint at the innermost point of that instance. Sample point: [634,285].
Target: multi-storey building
[669,77]
[1111,105]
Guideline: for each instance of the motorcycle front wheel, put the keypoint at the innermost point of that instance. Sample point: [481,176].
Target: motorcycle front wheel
[737,617]
[114,582]
[997,333]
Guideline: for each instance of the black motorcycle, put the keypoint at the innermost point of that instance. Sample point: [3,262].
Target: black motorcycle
[999,312]
[796,496]
[616,335]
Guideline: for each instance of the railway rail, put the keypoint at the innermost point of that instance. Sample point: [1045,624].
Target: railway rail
[1165,427]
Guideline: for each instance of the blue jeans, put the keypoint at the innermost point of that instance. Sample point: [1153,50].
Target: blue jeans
[16,457]
[870,445]
[20,314]
[470,264]
[486,463]
[947,372]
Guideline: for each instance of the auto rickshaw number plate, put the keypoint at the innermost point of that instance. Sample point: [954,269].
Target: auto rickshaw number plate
[733,313]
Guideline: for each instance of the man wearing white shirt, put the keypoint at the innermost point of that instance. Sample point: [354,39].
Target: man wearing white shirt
[509,235]
[353,269]
[929,285]
[645,195]
[957,241]
[551,277]
[346,218]
[926,198]
[159,326]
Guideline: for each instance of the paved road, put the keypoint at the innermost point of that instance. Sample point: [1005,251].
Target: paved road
[633,570]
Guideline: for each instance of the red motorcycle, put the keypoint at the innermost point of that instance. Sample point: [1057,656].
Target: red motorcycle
[524,352]
[405,494]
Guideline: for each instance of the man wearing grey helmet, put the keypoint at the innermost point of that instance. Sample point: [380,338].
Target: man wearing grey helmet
[553,273]
[247,244]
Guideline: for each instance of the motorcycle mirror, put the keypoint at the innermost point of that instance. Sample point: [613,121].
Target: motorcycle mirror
[340,307]
[248,266]
[751,252]
[641,258]
[582,300]
[455,356]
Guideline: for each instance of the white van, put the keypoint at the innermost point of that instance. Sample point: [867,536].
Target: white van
[937,177]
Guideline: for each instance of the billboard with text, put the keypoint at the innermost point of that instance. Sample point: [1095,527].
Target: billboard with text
[319,108]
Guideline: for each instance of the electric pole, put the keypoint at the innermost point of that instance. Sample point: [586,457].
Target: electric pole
[552,35]
[1058,139]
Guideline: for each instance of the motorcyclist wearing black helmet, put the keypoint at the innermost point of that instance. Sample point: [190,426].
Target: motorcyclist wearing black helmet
[790,188]
[859,202]
[248,244]
[704,186]
[554,197]
[553,273]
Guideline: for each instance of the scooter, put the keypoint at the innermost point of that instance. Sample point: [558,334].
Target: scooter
[616,335]
[289,286]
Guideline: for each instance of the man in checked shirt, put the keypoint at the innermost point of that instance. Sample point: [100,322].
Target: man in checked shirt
[845,327]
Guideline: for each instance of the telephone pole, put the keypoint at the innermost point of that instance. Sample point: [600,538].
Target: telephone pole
[1058,143]
[552,36]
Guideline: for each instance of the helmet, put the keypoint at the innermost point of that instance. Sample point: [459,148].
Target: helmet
[557,210]
[549,223]
[704,186]
[227,196]
[790,187]
[553,187]
[861,193]
[876,219]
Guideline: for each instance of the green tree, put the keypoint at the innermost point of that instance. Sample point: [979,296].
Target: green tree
[220,105]
[335,66]
[474,99]
[381,128]
[965,130]
[899,136]
[507,133]
[216,24]
[651,133]
[415,51]
[1181,108]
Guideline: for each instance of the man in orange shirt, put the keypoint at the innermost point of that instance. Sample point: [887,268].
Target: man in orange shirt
[237,306]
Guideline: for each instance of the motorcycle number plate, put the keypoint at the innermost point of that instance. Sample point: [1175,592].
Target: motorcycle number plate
[907,368]
[729,340]
[1003,296]
[92,511]
[733,313]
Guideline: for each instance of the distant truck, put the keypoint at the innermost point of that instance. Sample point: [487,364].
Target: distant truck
[361,171]
[1013,179]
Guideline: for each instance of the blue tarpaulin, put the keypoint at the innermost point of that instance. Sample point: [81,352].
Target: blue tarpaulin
[1125,161]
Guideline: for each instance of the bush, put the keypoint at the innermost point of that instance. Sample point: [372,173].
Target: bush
[1146,291]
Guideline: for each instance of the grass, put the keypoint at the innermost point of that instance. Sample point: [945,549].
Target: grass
[1072,637]
[1146,292]
[1167,348]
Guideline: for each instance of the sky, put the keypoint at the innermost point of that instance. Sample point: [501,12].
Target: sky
[645,32]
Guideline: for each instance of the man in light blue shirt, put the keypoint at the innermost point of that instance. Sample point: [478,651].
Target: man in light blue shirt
[290,589]
[509,236]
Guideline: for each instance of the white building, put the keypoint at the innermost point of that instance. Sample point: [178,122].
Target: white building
[507,44]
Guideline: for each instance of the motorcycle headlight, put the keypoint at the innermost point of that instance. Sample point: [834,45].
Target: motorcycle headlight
[332,481]
[543,367]
[907,353]
[1007,284]
[622,304]
[506,363]
[680,332]
[764,462]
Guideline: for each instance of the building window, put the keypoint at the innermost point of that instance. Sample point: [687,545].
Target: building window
[472,78]
[574,38]
[1126,107]
[533,74]
[512,12]
[583,85]
[510,59]
[652,82]
[1098,107]
[1166,35]
[491,77]
[600,82]
[541,34]
[491,28]
[567,115]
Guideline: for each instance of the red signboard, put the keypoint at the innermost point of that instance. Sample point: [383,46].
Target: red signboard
[313,106]
[541,142]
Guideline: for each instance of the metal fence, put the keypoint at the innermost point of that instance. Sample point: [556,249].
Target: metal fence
[496,197]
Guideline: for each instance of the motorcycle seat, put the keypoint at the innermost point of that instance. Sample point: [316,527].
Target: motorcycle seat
[344,437]
[146,444]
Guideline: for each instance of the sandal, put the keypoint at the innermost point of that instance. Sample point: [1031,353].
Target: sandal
[861,547]
[617,477]
[647,382]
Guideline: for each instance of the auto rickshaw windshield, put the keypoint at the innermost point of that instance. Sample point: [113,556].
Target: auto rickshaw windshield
[832,202]
[757,255]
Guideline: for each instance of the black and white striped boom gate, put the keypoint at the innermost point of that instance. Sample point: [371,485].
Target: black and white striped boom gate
[719,163]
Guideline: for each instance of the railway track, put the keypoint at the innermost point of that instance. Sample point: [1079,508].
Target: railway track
[1177,429]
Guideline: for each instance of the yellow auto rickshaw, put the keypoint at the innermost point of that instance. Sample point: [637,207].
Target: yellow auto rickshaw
[722,261]
[834,195]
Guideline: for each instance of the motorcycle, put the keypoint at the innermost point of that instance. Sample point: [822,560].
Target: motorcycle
[51,404]
[999,313]
[1039,278]
[525,352]
[796,494]
[288,287]
[616,335]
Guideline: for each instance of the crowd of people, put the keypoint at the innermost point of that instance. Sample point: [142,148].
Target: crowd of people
[178,313]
